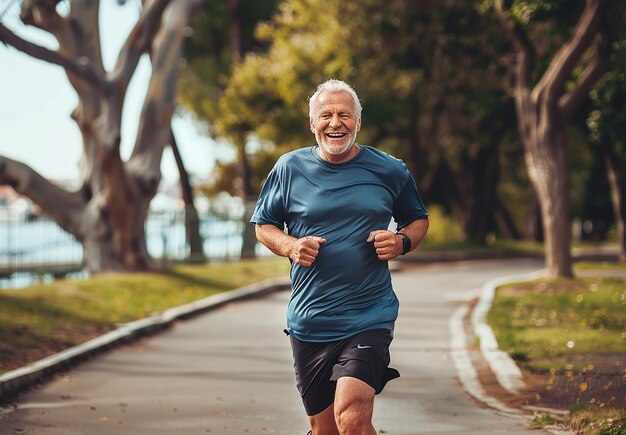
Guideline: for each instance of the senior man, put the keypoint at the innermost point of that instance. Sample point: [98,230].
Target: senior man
[328,208]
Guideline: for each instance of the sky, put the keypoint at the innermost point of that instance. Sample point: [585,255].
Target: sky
[36,101]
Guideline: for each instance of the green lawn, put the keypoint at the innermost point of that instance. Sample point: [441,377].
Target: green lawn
[47,318]
[542,319]
[560,327]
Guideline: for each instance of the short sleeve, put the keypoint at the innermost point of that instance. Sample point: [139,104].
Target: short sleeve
[270,205]
[408,206]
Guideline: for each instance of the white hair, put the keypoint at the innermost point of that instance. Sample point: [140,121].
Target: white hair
[334,85]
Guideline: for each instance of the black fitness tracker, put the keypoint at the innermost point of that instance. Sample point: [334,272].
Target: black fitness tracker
[406,242]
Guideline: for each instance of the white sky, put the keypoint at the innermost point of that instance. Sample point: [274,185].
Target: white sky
[36,101]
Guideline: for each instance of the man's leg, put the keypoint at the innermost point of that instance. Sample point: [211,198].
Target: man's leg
[354,406]
[324,422]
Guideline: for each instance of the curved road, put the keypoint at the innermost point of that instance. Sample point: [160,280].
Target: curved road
[230,371]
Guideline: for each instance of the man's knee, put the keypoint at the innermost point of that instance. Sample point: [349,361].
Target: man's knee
[354,404]
[350,421]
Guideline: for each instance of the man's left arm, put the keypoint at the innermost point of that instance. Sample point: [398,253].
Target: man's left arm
[389,245]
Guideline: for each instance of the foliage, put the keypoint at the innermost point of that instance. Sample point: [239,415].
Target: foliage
[540,420]
[48,318]
[609,97]
[428,76]
[267,94]
[209,52]
[442,229]
[226,32]
[608,115]
[433,85]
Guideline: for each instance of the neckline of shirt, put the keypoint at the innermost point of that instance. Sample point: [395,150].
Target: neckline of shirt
[316,156]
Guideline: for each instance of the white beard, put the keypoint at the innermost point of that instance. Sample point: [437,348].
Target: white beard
[336,149]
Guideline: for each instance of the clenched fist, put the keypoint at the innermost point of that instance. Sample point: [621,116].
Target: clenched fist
[388,245]
[305,249]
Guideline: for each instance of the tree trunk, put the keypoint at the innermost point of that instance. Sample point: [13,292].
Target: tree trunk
[505,221]
[548,171]
[475,187]
[617,181]
[192,219]
[534,226]
[249,241]
[248,249]
[541,113]
[107,215]
[474,214]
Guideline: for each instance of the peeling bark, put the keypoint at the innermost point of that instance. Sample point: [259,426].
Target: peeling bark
[107,214]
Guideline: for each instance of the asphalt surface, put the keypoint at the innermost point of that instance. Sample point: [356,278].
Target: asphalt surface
[230,371]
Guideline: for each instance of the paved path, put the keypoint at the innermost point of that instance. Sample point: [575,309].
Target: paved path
[229,371]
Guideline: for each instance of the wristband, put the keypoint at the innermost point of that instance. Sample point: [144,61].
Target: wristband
[406,242]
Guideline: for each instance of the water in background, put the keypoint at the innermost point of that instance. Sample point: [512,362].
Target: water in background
[35,249]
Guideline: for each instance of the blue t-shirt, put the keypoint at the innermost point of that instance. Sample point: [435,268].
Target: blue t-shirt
[348,289]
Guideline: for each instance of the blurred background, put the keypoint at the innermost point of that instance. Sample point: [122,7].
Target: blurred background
[461,91]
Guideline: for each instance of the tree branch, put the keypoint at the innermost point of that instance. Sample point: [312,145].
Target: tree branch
[43,15]
[77,66]
[186,189]
[592,73]
[63,206]
[138,42]
[84,31]
[524,49]
[154,130]
[524,58]
[569,101]
[567,57]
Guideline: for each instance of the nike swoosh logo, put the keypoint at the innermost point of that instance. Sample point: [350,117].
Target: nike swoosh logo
[360,346]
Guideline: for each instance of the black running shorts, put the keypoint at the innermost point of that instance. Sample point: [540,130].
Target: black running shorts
[318,365]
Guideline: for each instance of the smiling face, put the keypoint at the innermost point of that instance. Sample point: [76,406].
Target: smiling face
[335,125]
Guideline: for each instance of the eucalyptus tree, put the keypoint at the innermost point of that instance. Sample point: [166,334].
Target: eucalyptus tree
[108,212]
[551,77]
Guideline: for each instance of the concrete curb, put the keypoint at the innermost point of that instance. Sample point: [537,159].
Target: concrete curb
[16,381]
[504,368]
[465,369]
[507,373]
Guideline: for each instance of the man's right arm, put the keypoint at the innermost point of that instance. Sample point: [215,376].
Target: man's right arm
[302,251]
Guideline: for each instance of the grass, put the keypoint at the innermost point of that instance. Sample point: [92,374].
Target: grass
[592,421]
[556,326]
[542,419]
[543,319]
[47,318]
[506,246]
[599,266]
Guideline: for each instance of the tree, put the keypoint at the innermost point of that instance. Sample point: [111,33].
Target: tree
[543,107]
[107,213]
[606,125]
[428,76]
[192,219]
[225,35]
